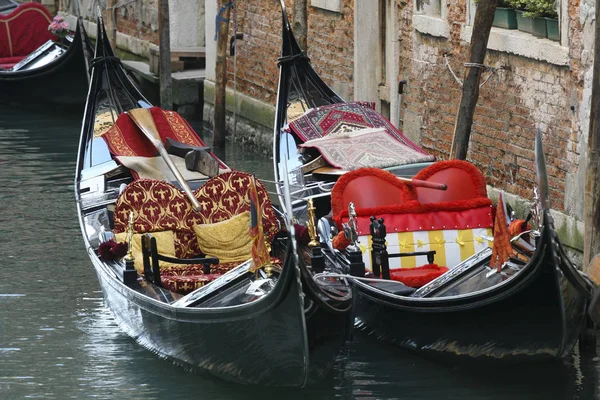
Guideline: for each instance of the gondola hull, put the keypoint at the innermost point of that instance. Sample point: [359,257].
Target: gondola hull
[207,341]
[60,84]
[259,344]
[540,320]
[289,336]
[537,311]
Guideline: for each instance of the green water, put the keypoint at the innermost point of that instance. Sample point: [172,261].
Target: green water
[58,341]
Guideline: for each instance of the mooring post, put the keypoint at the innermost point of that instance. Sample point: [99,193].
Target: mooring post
[484,17]
[166,88]
[591,241]
[221,77]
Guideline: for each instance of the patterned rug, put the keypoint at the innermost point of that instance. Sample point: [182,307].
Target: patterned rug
[366,148]
[343,118]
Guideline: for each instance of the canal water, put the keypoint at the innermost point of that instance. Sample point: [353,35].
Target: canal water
[59,341]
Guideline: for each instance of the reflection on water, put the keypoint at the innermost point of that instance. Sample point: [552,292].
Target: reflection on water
[58,341]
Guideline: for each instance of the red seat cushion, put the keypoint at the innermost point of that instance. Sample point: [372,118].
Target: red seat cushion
[24,30]
[184,279]
[464,181]
[9,62]
[419,276]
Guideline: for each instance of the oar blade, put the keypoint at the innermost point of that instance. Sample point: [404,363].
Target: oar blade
[142,117]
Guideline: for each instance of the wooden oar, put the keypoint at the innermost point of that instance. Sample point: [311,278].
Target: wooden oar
[424,184]
[142,117]
[414,182]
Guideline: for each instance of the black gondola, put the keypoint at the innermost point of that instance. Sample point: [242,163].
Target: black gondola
[534,308]
[54,76]
[275,328]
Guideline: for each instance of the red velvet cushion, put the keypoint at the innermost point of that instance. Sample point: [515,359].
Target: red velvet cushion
[463,179]
[9,62]
[419,276]
[24,30]
[160,206]
[368,188]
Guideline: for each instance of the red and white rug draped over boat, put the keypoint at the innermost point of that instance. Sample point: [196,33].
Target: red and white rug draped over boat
[366,148]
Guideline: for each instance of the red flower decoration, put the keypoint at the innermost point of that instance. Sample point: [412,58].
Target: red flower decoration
[111,250]
[302,236]
[119,249]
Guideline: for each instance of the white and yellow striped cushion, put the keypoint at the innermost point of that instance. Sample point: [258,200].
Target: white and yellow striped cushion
[451,246]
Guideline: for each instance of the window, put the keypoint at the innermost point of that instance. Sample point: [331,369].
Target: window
[331,5]
[431,19]
[524,44]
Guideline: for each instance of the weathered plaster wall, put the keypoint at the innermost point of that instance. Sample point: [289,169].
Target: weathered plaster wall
[186,23]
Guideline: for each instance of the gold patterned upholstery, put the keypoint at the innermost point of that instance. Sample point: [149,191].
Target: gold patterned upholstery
[160,206]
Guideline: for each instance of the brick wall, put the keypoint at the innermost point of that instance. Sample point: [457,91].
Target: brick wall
[527,95]
[330,46]
[256,70]
[138,19]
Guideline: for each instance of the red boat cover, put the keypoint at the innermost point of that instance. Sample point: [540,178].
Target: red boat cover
[24,30]
[124,138]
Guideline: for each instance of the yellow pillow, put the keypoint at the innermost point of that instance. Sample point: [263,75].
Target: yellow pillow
[165,243]
[228,240]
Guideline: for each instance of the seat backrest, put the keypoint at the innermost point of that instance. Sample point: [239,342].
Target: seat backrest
[160,206]
[368,188]
[463,180]
[24,30]
[226,195]
[455,223]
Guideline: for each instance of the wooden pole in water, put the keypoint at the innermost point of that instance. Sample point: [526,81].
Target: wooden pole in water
[300,25]
[221,80]
[484,16]
[591,204]
[166,88]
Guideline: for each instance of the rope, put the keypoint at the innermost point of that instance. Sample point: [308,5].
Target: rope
[104,59]
[475,65]
[451,71]
[288,59]
[220,17]
[346,276]
[492,71]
